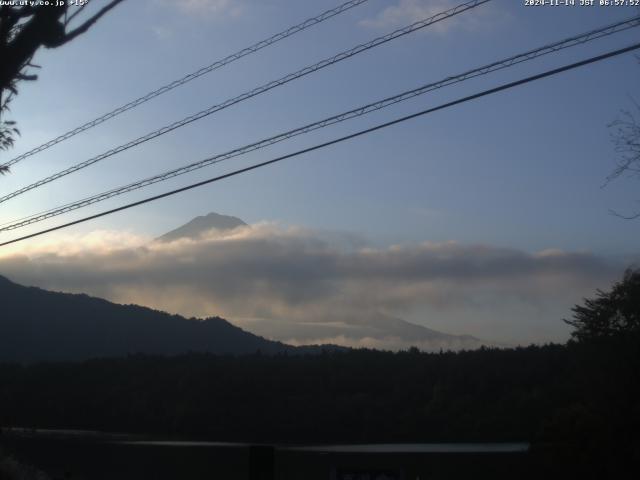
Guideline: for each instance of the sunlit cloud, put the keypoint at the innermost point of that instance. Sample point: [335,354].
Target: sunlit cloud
[302,285]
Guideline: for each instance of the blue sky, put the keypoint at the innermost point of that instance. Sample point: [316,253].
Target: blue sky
[519,170]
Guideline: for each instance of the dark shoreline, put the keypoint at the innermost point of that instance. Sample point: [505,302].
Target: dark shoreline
[98,457]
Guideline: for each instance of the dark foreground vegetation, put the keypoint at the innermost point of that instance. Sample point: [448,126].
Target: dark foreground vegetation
[580,400]
[583,397]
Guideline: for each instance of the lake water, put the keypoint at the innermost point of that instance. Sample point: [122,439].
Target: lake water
[97,456]
[350,448]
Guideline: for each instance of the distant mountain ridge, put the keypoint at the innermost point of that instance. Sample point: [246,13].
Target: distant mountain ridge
[40,325]
[201,225]
[375,330]
[381,331]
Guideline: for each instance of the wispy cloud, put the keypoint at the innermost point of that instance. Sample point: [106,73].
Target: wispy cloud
[405,12]
[298,284]
[162,32]
[207,8]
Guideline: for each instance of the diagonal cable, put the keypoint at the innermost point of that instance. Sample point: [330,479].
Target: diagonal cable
[360,111]
[484,93]
[310,22]
[252,93]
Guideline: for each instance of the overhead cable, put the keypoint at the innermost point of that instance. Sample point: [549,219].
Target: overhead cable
[357,112]
[252,93]
[484,93]
[310,22]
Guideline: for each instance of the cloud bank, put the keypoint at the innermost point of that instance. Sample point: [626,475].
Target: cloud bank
[301,285]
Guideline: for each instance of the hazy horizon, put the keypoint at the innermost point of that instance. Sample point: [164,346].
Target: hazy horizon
[302,285]
[488,219]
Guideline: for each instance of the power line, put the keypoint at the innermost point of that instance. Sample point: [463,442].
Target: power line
[252,93]
[484,93]
[310,22]
[495,66]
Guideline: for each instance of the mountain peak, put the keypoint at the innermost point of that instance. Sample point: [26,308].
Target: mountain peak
[200,225]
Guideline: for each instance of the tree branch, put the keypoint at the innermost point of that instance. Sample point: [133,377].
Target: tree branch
[72,16]
[87,24]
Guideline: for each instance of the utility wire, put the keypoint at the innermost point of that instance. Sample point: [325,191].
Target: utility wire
[484,93]
[252,93]
[310,22]
[363,110]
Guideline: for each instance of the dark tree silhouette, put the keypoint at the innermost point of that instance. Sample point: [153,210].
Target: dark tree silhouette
[625,135]
[23,30]
[609,314]
[626,138]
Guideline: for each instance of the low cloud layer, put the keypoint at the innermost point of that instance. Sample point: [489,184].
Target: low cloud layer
[302,285]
